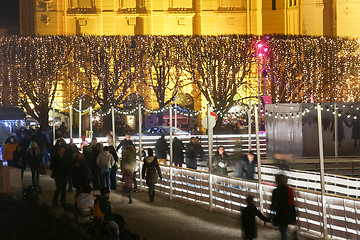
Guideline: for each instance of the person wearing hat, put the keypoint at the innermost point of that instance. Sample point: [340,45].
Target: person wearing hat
[102,202]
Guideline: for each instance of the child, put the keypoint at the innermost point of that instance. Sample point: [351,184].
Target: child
[248,219]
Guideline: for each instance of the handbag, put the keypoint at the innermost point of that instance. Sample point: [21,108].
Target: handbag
[42,170]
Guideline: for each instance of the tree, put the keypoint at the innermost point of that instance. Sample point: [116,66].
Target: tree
[165,70]
[8,75]
[40,63]
[112,65]
[302,68]
[219,67]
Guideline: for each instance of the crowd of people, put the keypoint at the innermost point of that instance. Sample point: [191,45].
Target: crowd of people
[94,167]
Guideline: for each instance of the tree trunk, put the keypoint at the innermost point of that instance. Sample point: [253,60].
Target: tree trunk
[43,116]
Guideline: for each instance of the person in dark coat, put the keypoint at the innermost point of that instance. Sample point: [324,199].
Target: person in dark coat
[128,168]
[178,152]
[248,222]
[191,161]
[114,168]
[60,170]
[34,159]
[105,207]
[248,166]
[125,143]
[220,162]
[80,172]
[283,205]
[151,172]
[19,159]
[161,150]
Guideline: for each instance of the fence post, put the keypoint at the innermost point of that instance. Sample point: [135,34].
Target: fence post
[54,132]
[322,172]
[71,133]
[336,131]
[261,197]
[171,153]
[140,147]
[91,127]
[210,147]
[80,109]
[113,126]
[249,126]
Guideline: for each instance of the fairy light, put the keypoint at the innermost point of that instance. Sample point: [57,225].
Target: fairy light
[111,68]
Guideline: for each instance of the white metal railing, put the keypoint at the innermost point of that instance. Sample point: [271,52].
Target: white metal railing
[228,196]
[334,184]
[228,141]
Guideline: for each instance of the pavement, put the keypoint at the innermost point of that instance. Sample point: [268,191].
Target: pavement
[163,219]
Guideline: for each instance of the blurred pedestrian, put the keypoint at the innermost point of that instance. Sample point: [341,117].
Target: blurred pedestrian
[34,160]
[114,168]
[236,159]
[124,144]
[19,159]
[248,222]
[248,166]
[128,168]
[80,172]
[283,205]
[178,152]
[220,162]
[104,161]
[161,150]
[151,172]
[60,170]
[191,161]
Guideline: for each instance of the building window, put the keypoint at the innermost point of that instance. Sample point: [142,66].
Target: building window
[81,3]
[290,3]
[273,4]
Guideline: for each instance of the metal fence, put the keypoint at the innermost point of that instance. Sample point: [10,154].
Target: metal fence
[228,197]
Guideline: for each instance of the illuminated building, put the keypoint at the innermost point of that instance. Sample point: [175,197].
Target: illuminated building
[189,17]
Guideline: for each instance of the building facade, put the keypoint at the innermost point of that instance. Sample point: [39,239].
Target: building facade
[190,17]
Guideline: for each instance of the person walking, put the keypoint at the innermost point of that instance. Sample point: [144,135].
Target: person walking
[114,168]
[128,168]
[178,152]
[105,161]
[80,172]
[124,144]
[34,159]
[220,162]
[60,168]
[248,166]
[161,150]
[151,172]
[191,161]
[283,205]
[19,159]
[248,222]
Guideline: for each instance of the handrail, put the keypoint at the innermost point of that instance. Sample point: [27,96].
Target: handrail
[229,198]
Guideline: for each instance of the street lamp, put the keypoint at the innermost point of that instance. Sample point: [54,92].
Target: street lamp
[261,50]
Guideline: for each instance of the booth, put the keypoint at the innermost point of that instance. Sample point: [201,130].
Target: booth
[10,177]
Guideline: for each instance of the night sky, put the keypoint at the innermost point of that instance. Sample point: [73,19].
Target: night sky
[9,13]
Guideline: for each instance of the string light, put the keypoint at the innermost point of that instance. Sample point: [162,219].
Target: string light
[111,69]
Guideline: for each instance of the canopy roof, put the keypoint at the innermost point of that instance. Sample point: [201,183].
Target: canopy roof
[8,113]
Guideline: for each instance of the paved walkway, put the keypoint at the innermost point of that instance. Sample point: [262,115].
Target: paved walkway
[162,219]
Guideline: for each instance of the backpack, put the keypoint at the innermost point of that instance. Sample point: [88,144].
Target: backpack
[97,213]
